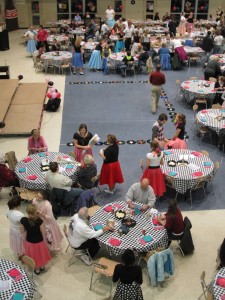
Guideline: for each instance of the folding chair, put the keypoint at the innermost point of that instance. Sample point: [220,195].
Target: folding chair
[95,182]
[204,286]
[200,184]
[77,253]
[104,267]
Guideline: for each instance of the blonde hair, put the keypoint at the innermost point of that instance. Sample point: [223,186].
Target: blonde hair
[88,159]
[32,214]
[78,41]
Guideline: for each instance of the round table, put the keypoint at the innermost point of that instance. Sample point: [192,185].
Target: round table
[78,31]
[57,57]
[191,50]
[219,291]
[185,176]
[221,58]
[116,58]
[212,118]
[59,38]
[33,167]
[131,240]
[89,46]
[20,282]
[198,88]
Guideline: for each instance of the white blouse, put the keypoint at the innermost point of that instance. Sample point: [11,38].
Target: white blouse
[154,159]
[110,14]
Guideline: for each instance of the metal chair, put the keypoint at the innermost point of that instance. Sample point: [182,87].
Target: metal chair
[212,79]
[211,178]
[11,160]
[204,152]
[179,90]
[66,65]
[201,100]
[77,253]
[130,68]
[200,184]
[216,106]
[193,57]
[95,182]
[92,210]
[204,131]
[195,109]
[30,263]
[203,285]
[25,194]
[169,181]
[104,267]
[49,65]
[193,78]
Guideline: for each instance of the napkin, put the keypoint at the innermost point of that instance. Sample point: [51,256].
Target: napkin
[147,238]
[195,153]
[207,164]
[114,242]
[193,166]
[108,208]
[204,111]
[168,152]
[222,110]
[27,159]
[65,156]
[97,226]
[171,173]
[155,222]
[213,90]
[137,209]
[220,281]
[42,154]
[117,206]
[22,170]
[69,167]
[143,242]
[32,177]
[200,91]
[195,80]
[186,87]
[222,297]
[197,174]
[203,119]
[186,82]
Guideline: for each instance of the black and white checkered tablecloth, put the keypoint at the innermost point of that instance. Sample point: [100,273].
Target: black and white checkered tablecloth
[24,285]
[209,118]
[218,291]
[131,240]
[184,179]
[34,168]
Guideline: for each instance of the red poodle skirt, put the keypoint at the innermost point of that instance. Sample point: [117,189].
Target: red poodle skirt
[156,180]
[111,174]
[39,252]
[80,155]
[177,144]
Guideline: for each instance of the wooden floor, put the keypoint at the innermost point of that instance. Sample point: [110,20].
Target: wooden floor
[25,108]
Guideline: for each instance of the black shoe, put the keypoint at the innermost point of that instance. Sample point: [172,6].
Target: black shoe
[37,272]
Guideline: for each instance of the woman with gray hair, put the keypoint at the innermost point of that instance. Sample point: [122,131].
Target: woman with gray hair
[87,172]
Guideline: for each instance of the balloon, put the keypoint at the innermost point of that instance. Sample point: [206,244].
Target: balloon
[50,83]
[52,90]
[174,8]
[54,95]
[49,95]
[20,77]
[47,79]
[202,7]
[58,95]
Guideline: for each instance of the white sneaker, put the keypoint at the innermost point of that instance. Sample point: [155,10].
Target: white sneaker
[108,191]
[86,259]
[81,73]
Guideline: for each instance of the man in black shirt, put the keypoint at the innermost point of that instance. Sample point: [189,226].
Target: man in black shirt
[207,43]
[144,56]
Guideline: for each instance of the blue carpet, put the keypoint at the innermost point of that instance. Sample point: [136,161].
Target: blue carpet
[111,104]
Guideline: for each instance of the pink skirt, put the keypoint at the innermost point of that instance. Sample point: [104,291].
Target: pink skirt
[156,180]
[39,253]
[177,144]
[190,27]
[111,174]
[16,241]
[182,28]
[80,156]
[54,236]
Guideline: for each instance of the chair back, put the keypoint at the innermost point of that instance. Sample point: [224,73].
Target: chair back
[72,154]
[216,106]
[195,107]
[95,181]
[216,167]
[28,261]
[186,242]
[193,78]
[213,79]
[204,152]
[203,284]
[11,160]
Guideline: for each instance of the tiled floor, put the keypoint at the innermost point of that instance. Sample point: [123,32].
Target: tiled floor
[63,282]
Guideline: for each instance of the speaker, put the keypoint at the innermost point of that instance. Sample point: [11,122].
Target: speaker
[4,40]
[4,72]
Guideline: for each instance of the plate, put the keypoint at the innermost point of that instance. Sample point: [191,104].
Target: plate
[120,214]
[129,222]
[182,163]
[172,163]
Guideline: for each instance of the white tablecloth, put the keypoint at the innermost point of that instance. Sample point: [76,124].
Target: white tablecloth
[221,58]
[56,57]
[209,117]
[59,38]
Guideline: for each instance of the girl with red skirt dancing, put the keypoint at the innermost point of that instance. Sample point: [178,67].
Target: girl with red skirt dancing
[81,140]
[153,171]
[34,246]
[111,172]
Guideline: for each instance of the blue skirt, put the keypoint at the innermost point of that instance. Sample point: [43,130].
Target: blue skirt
[110,23]
[95,61]
[31,46]
[77,60]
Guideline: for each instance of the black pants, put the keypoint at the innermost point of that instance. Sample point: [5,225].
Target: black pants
[127,43]
[92,246]
[172,237]
[45,43]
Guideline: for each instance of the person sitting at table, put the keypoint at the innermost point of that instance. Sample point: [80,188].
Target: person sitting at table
[207,43]
[136,44]
[153,171]
[218,40]
[41,51]
[16,239]
[104,29]
[220,88]
[166,17]
[77,18]
[178,140]
[220,260]
[158,131]
[142,59]
[173,222]
[55,46]
[81,236]
[95,62]
[157,43]
[111,172]
[156,17]
[127,59]
[141,192]
[64,183]
[87,172]
[81,139]
[34,245]
[36,143]
[90,30]
[212,68]
[7,176]
[129,276]
[54,236]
